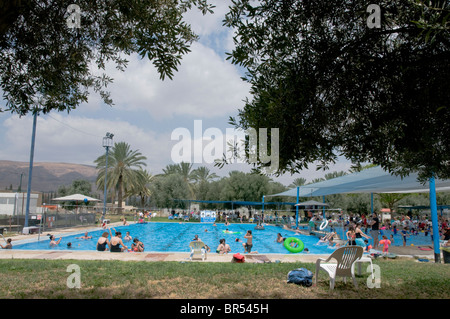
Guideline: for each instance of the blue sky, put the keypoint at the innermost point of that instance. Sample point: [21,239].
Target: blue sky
[147,110]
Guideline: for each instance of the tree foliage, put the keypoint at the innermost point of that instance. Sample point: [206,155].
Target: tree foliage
[46,64]
[333,86]
[124,172]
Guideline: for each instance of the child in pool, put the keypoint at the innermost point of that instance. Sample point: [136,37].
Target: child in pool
[405,234]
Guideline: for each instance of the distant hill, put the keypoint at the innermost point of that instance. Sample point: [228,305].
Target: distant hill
[46,176]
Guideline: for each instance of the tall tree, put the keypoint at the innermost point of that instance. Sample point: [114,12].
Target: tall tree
[124,167]
[299,181]
[184,170]
[48,50]
[203,174]
[334,85]
[390,199]
[141,186]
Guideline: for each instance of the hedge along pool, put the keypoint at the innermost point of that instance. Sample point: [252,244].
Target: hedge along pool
[175,237]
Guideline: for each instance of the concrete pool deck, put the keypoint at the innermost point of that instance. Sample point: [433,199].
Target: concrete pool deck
[402,252]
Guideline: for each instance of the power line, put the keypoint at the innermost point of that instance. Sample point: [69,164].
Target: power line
[73,128]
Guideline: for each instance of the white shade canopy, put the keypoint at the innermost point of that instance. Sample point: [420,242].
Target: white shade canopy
[76,198]
[371,180]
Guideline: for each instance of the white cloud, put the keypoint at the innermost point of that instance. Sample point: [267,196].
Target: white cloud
[205,86]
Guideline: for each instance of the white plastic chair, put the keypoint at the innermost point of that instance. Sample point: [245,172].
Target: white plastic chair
[197,247]
[345,258]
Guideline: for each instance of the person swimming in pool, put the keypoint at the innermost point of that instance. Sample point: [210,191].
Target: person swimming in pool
[8,244]
[86,236]
[53,241]
[128,236]
[280,238]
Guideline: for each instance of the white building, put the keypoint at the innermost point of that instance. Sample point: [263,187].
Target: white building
[16,203]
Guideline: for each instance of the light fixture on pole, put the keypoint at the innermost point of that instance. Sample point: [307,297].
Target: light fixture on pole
[107,143]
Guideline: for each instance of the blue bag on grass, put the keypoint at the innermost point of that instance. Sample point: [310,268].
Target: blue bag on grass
[300,276]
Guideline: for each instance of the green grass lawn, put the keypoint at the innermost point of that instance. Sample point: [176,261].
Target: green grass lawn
[47,279]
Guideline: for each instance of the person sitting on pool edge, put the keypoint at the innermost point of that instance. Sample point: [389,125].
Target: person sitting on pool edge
[116,242]
[137,246]
[223,248]
[103,243]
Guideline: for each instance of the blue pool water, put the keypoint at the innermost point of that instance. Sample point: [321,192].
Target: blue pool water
[175,237]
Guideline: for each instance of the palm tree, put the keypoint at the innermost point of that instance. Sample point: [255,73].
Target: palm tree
[171,169]
[299,181]
[203,174]
[123,169]
[141,186]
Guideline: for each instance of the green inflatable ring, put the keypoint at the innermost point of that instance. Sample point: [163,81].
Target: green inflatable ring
[299,248]
[230,232]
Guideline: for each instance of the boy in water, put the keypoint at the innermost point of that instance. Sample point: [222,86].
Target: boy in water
[249,244]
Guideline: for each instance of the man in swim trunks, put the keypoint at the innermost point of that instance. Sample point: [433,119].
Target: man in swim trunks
[249,244]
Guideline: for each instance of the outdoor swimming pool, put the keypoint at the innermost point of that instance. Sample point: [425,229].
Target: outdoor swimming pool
[175,237]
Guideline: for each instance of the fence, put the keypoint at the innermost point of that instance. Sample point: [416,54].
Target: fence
[48,221]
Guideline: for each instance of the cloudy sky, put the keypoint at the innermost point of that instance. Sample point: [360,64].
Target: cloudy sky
[149,113]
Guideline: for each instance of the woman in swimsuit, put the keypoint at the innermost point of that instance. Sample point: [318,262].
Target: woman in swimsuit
[116,242]
[103,242]
[359,234]
[53,241]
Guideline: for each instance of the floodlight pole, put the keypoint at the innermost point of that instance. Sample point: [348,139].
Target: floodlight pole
[434,220]
[107,143]
[30,171]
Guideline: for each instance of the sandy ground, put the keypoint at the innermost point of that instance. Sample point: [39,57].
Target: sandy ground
[402,252]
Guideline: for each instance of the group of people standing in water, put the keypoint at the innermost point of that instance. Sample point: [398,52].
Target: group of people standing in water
[115,244]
